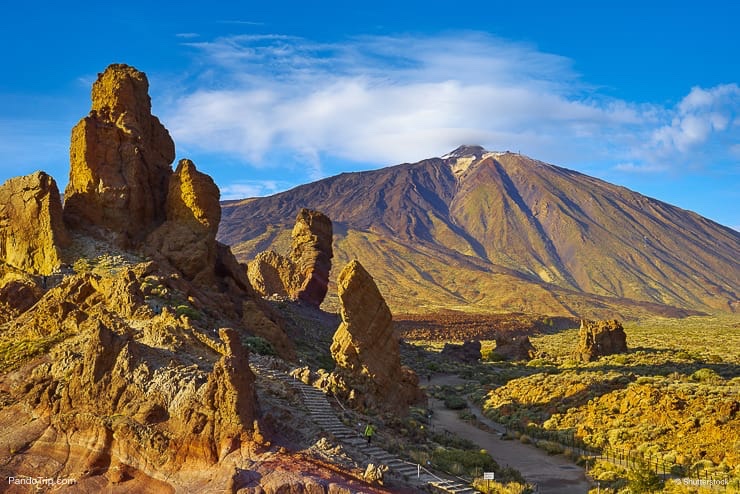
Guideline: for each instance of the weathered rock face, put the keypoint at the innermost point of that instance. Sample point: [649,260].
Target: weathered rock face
[364,347]
[272,274]
[32,231]
[468,351]
[514,348]
[312,253]
[599,338]
[120,157]
[188,238]
[170,411]
[304,274]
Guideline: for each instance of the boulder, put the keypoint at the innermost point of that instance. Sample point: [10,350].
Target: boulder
[364,347]
[468,351]
[32,231]
[273,274]
[120,160]
[514,348]
[599,338]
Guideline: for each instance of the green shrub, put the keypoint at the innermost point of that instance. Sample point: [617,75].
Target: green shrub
[259,345]
[466,462]
[454,402]
[705,376]
[186,310]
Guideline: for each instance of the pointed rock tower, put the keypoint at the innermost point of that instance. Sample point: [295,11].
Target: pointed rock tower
[120,160]
[364,347]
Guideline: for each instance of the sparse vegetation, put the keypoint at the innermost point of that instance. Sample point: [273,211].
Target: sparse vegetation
[259,345]
[670,400]
[14,352]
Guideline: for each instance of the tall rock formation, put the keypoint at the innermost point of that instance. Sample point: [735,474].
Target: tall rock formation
[312,253]
[32,231]
[599,338]
[304,274]
[364,347]
[120,160]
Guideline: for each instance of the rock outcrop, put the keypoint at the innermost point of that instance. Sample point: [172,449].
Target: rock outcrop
[599,338]
[170,412]
[312,253]
[187,239]
[272,274]
[514,348]
[304,274]
[364,347]
[120,160]
[468,351]
[32,231]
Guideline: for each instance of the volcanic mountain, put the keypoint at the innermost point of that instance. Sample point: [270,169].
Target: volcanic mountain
[482,231]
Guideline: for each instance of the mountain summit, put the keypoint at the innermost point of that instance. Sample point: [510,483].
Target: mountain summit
[489,231]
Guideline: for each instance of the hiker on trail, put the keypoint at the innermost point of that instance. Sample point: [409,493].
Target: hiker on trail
[369,431]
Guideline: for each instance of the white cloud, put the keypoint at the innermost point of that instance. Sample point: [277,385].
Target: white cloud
[387,99]
[702,115]
[250,188]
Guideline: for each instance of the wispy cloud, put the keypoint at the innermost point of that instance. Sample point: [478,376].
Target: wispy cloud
[250,188]
[386,99]
[187,35]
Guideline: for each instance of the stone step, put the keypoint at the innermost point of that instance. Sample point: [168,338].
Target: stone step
[444,483]
[356,441]
[389,461]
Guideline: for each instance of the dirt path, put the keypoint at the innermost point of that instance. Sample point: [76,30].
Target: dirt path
[551,474]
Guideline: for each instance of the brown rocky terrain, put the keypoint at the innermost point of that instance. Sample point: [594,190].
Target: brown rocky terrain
[128,370]
[490,232]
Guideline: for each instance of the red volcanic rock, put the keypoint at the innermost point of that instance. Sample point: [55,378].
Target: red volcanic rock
[120,157]
[469,351]
[599,338]
[273,274]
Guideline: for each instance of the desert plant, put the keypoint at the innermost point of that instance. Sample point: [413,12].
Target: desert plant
[641,478]
[259,345]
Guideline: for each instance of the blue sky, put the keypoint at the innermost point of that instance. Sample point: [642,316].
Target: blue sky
[265,97]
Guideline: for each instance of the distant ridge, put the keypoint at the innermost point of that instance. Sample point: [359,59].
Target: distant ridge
[485,231]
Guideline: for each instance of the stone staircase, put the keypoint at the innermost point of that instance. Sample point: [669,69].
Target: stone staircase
[323,415]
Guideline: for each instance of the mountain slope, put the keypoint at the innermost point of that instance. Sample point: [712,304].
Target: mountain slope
[484,231]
